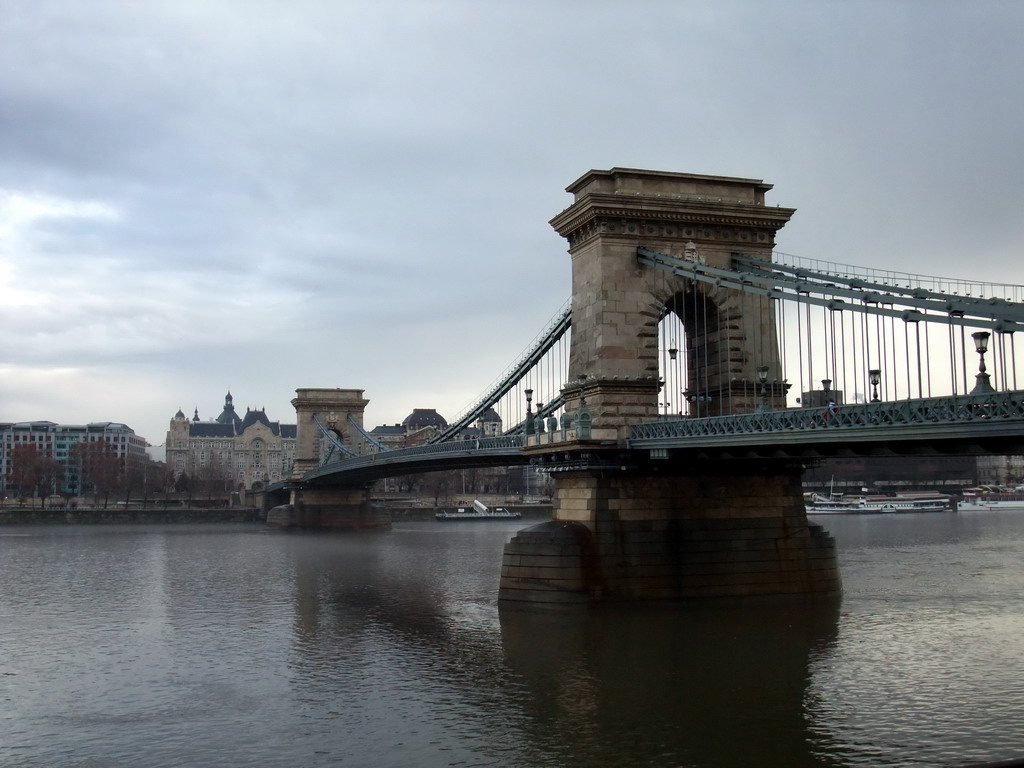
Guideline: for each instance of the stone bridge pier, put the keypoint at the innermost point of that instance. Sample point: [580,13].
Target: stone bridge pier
[628,527]
[329,507]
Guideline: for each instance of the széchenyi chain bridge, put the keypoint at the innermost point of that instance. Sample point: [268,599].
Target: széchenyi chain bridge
[677,397]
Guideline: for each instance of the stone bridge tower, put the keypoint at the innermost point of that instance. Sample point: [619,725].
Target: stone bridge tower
[324,506]
[617,303]
[332,407]
[629,526]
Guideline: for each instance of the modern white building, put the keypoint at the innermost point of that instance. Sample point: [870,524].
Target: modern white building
[57,440]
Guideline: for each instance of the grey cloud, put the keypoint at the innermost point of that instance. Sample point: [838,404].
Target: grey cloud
[348,182]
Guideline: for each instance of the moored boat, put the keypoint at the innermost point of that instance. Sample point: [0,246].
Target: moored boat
[479,511]
[986,498]
[842,504]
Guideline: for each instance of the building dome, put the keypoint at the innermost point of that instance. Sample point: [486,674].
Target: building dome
[424,417]
[228,415]
[489,423]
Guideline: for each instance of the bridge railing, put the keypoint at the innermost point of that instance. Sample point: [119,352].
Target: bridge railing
[401,455]
[959,409]
[962,417]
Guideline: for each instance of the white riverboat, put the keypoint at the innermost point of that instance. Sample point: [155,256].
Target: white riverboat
[847,504]
[990,499]
[479,511]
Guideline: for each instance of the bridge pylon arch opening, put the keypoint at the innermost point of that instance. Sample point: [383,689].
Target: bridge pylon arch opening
[711,344]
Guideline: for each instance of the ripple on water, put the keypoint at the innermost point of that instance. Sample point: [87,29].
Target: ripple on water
[170,647]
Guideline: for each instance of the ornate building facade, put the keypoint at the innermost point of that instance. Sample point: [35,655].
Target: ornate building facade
[1001,470]
[247,452]
[424,423]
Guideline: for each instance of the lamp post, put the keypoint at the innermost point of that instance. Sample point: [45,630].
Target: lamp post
[529,429]
[874,378]
[583,416]
[529,413]
[762,378]
[982,384]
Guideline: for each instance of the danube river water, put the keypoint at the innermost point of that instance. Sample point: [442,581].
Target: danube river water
[232,645]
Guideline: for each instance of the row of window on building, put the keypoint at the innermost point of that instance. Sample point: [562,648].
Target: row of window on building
[250,449]
[57,441]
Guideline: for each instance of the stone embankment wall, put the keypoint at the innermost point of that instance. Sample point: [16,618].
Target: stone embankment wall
[11,515]
[29,516]
[528,511]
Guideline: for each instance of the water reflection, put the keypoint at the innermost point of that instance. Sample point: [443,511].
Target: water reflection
[696,686]
[905,530]
[693,686]
[232,646]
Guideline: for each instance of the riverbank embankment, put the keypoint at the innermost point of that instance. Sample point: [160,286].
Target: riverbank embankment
[409,514]
[87,516]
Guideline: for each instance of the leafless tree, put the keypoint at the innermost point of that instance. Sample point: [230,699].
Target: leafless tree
[102,472]
[32,471]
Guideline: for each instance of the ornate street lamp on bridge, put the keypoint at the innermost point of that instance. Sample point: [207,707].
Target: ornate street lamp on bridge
[528,427]
[982,384]
[874,378]
[762,379]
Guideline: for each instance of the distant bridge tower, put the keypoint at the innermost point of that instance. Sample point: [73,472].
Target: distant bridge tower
[628,526]
[315,506]
[332,407]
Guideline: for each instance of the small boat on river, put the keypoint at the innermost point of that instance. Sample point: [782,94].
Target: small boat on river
[990,499]
[479,511]
[844,504]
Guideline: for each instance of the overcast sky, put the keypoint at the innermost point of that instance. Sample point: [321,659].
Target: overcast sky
[261,196]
